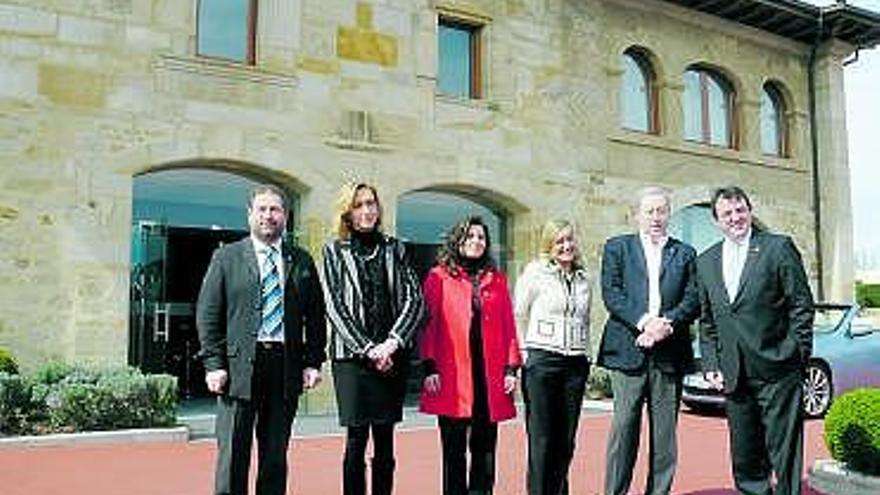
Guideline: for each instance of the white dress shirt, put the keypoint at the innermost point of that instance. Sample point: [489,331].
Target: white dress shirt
[733,259]
[653,261]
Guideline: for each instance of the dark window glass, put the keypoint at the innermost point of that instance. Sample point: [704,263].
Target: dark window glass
[707,107]
[694,225]
[636,94]
[225,29]
[458,64]
[772,126]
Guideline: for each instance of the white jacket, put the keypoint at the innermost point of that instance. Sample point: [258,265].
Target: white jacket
[551,314]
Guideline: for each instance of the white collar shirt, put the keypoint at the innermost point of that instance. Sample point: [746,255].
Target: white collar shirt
[262,250]
[653,260]
[733,260]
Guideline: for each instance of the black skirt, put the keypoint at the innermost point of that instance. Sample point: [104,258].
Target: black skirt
[366,396]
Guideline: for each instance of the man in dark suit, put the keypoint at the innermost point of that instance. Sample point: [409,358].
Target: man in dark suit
[756,339]
[260,317]
[649,290]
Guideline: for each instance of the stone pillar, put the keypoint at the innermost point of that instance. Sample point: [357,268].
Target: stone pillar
[833,176]
[278,33]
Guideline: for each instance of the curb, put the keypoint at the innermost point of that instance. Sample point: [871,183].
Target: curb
[830,476]
[175,434]
[196,427]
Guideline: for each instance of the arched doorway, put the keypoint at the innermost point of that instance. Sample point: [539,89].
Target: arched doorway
[694,225]
[424,217]
[179,217]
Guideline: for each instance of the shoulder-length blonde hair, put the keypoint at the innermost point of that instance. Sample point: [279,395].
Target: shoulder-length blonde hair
[345,203]
[550,231]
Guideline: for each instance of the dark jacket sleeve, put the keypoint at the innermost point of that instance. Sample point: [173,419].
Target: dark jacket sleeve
[688,308]
[799,299]
[340,315]
[211,315]
[708,332]
[315,323]
[614,292]
[412,311]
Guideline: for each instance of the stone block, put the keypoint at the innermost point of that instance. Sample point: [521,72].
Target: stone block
[84,31]
[27,21]
[75,86]
[366,46]
[18,79]
[143,39]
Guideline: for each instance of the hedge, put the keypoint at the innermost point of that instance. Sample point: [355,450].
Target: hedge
[7,362]
[71,398]
[852,430]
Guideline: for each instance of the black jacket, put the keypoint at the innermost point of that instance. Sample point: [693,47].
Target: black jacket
[228,316]
[625,293]
[768,328]
[344,300]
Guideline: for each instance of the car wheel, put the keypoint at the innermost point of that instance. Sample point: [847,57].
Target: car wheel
[817,390]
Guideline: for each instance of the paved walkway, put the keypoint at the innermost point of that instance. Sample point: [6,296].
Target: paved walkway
[185,468]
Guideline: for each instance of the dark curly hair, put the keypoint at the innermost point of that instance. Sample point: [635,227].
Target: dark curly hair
[449,257]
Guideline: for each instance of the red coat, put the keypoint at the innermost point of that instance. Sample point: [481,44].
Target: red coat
[446,342]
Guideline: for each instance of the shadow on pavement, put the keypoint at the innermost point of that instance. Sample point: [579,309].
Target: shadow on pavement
[805,490]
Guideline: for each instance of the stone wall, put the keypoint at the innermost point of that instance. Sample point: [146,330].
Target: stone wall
[93,92]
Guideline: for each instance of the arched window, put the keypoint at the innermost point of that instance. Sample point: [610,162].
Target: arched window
[424,217]
[773,131]
[637,93]
[707,105]
[694,225]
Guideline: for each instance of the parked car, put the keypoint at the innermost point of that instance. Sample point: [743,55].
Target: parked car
[846,355]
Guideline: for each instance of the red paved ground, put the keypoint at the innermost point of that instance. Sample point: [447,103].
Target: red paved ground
[186,469]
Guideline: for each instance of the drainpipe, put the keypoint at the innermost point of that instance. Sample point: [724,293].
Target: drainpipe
[814,144]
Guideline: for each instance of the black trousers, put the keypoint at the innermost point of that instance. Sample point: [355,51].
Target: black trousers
[553,389]
[766,431]
[354,476]
[455,443]
[271,415]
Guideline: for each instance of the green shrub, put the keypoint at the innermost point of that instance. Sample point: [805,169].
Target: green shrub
[65,398]
[52,372]
[89,398]
[599,386]
[868,295]
[7,362]
[15,399]
[852,430]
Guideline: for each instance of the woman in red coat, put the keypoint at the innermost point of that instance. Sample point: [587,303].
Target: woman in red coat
[471,356]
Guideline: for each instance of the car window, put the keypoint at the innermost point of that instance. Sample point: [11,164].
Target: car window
[827,320]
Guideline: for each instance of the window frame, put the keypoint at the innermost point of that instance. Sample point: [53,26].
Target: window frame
[643,60]
[780,108]
[251,41]
[474,30]
[705,75]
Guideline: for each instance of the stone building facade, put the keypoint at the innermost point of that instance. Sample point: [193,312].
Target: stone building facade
[98,94]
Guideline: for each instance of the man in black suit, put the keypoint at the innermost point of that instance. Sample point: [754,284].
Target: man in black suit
[756,332]
[260,317]
[649,290]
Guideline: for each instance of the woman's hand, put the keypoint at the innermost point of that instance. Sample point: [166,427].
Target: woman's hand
[381,354]
[432,384]
[510,382]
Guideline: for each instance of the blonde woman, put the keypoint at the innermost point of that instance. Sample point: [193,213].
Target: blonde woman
[374,304]
[553,314]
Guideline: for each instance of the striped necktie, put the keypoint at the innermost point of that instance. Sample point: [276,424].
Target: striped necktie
[270,327]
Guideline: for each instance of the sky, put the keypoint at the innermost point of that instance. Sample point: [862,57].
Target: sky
[862,84]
